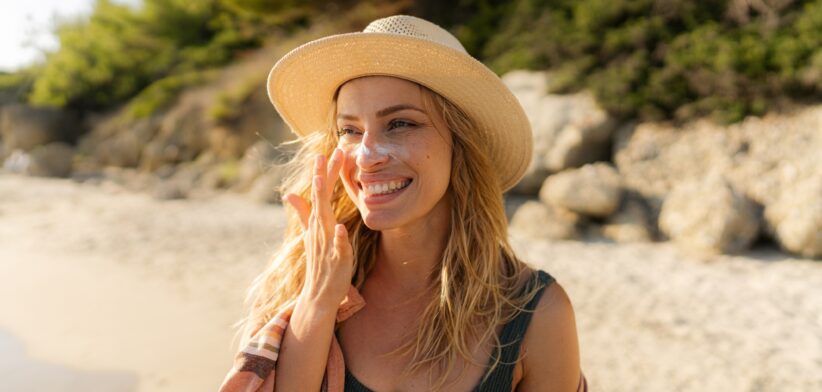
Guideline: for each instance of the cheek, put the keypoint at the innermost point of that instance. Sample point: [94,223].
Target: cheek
[348,169]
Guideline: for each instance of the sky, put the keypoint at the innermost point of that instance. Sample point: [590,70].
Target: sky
[26,27]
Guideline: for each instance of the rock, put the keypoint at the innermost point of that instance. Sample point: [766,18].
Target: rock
[709,216]
[592,190]
[585,138]
[181,135]
[630,223]
[51,160]
[24,127]
[569,130]
[795,220]
[170,190]
[17,162]
[114,143]
[256,122]
[129,179]
[538,220]
[760,157]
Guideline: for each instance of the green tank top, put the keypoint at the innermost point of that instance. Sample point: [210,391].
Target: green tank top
[502,378]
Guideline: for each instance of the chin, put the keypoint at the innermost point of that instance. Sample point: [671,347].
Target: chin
[378,221]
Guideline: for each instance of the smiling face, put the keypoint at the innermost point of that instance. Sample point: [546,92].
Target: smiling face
[398,157]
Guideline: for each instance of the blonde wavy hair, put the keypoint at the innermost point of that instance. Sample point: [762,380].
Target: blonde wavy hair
[479,281]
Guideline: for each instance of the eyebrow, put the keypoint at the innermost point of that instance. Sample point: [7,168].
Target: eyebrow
[385,112]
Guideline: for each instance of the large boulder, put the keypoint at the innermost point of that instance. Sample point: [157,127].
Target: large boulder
[256,121]
[180,138]
[760,157]
[24,127]
[537,220]
[592,190]
[114,142]
[630,223]
[569,130]
[50,160]
[708,216]
[795,220]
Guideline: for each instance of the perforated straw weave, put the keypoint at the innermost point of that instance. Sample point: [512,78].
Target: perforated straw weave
[301,85]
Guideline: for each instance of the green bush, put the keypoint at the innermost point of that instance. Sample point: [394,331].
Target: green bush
[667,59]
[652,59]
[119,51]
[162,93]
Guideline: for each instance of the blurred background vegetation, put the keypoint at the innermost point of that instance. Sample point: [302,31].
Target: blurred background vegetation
[647,59]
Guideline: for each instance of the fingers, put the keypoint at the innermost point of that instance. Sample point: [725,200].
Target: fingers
[341,244]
[322,187]
[321,198]
[301,206]
[333,172]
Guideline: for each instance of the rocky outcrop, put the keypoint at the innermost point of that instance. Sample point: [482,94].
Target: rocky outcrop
[50,160]
[763,160]
[630,223]
[539,220]
[709,216]
[24,127]
[569,130]
[113,142]
[795,219]
[592,190]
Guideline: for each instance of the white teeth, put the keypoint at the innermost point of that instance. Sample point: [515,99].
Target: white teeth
[386,187]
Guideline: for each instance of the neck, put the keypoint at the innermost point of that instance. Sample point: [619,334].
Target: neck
[406,256]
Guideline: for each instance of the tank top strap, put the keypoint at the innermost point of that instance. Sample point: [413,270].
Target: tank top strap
[511,336]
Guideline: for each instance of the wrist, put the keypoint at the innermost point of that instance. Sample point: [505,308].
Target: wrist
[317,302]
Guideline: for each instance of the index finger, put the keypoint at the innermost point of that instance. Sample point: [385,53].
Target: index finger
[333,173]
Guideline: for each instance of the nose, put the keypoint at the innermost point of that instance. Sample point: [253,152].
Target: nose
[372,152]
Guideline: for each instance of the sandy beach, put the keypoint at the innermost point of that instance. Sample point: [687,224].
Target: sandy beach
[107,290]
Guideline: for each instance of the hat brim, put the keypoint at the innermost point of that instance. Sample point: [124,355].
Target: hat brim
[301,87]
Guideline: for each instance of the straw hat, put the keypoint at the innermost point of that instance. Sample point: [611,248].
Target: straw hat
[302,84]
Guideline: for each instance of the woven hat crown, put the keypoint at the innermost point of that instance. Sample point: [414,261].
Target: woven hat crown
[415,27]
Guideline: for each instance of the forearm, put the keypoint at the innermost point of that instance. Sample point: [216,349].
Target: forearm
[304,349]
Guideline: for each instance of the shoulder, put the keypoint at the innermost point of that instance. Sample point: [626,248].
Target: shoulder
[550,348]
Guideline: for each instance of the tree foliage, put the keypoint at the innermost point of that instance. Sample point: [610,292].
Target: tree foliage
[119,52]
[648,58]
[668,58]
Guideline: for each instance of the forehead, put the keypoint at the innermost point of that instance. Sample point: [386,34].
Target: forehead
[371,93]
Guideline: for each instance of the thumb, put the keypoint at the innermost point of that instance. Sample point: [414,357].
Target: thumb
[302,208]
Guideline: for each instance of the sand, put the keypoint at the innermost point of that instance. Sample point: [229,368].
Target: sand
[107,290]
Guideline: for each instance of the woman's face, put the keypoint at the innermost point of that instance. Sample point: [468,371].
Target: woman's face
[397,156]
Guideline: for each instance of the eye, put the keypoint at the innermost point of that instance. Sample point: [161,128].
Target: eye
[400,124]
[346,131]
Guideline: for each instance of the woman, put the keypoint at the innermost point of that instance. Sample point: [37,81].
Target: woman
[407,145]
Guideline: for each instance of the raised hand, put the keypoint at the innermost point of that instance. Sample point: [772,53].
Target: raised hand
[328,252]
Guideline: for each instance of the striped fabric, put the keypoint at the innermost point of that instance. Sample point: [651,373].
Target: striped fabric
[253,369]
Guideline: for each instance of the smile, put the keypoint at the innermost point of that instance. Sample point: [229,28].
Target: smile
[385,188]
